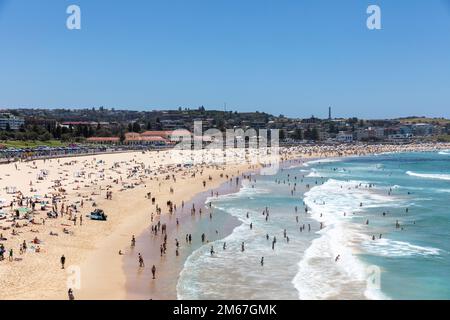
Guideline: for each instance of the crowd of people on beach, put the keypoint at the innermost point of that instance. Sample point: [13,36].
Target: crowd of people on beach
[34,218]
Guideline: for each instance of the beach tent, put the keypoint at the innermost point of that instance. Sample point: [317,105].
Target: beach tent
[23,211]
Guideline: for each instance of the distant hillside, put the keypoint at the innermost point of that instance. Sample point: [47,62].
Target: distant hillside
[123,116]
[436,121]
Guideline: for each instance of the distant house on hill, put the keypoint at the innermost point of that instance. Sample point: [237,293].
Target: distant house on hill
[10,122]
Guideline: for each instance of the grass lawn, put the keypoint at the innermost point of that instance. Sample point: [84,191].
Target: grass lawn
[443,138]
[31,144]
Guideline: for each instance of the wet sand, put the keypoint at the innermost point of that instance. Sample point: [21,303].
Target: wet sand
[140,284]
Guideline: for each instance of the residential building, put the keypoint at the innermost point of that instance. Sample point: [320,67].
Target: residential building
[345,137]
[9,121]
[370,133]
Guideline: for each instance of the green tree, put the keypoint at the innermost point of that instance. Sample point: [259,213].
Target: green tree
[85,131]
[282,135]
[136,127]
[58,132]
[315,134]
[298,134]
[122,137]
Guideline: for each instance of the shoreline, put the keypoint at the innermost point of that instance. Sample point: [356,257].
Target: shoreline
[139,281]
[94,246]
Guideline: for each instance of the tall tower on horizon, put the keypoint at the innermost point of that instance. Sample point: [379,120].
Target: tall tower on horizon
[329,113]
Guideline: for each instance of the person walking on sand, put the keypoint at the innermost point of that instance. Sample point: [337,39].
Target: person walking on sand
[70,294]
[262,262]
[141,261]
[154,271]
[133,241]
[63,261]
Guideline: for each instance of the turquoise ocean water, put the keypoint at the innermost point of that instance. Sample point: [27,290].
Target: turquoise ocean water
[376,227]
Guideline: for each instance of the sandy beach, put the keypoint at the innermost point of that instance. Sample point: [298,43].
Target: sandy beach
[76,186]
[93,246]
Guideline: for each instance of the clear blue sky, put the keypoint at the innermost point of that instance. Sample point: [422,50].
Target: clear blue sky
[291,57]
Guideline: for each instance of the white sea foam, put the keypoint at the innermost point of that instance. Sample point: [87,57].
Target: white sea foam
[227,274]
[294,166]
[429,175]
[246,191]
[392,248]
[312,162]
[313,174]
[319,275]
